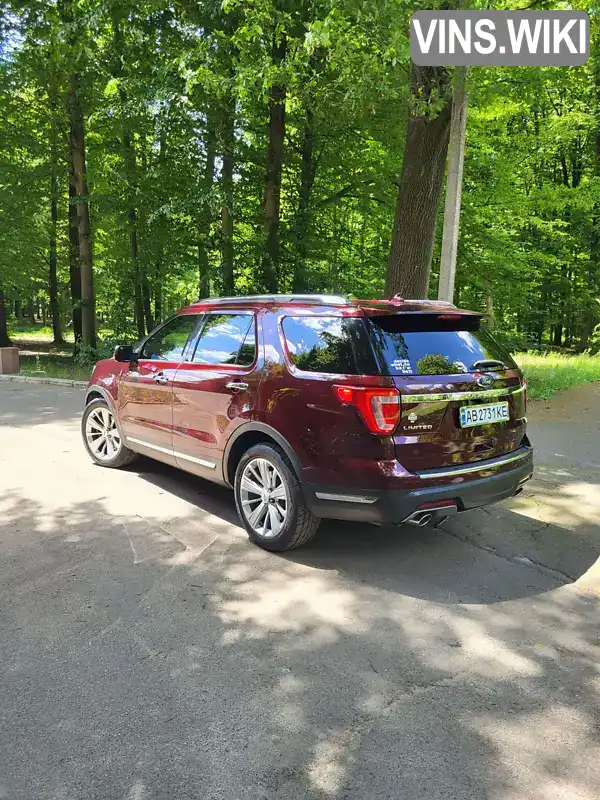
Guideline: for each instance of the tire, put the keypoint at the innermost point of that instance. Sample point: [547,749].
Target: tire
[284,520]
[98,418]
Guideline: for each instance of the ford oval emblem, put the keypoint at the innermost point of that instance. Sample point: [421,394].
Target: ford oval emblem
[485,381]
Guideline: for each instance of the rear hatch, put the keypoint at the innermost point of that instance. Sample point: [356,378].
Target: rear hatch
[463,399]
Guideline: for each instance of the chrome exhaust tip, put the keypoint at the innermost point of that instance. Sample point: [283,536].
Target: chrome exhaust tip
[420,518]
[424,516]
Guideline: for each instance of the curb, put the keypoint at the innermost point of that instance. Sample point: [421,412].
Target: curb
[53,381]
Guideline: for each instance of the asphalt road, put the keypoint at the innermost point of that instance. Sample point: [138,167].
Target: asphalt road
[149,652]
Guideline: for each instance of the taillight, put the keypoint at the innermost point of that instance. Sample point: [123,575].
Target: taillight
[379,408]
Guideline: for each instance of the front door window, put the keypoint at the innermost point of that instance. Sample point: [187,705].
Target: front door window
[168,343]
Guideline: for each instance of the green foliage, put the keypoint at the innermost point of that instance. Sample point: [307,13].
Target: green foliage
[529,227]
[87,356]
[594,346]
[437,364]
[173,91]
[33,333]
[48,366]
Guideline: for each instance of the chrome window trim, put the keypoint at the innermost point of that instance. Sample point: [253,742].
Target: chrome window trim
[447,397]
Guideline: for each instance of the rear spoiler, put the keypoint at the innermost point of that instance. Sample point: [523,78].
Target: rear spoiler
[423,320]
[398,305]
[447,312]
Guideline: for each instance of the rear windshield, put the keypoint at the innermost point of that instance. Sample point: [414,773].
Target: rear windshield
[428,345]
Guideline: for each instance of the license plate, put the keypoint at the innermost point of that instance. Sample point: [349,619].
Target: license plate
[483,415]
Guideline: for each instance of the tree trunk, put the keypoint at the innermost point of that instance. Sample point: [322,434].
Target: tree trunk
[302,222]
[31,312]
[205,216]
[74,270]
[86,266]
[141,292]
[203,274]
[4,340]
[19,311]
[489,306]
[143,313]
[454,181]
[53,277]
[138,298]
[557,337]
[158,294]
[141,297]
[413,234]
[147,304]
[568,336]
[272,198]
[227,198]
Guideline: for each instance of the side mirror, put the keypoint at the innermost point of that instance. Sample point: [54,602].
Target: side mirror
[125,353]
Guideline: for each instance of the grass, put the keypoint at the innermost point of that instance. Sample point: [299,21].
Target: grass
[39,358]
[50,365]
[551,372]
[33,333]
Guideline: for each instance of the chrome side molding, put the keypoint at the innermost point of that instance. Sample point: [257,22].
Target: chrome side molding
[201,461]
[345,498]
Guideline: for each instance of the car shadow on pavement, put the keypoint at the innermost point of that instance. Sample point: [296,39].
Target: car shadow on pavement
[207,496]
[128,671]
[434,564]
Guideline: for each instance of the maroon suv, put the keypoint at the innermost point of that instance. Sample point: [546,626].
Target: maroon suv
[383,411]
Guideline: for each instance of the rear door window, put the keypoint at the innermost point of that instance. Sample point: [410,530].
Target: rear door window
[227,339]
[334,345]
[422,344]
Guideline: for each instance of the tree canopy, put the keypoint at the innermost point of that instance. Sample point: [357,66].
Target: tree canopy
[152,152]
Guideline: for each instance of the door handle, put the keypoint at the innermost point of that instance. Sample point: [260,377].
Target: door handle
[237,386]
[161,378]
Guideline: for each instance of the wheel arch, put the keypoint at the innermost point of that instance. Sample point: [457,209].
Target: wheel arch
[96,392]
[247,436]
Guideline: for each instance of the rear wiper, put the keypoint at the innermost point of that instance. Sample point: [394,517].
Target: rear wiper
[486,363]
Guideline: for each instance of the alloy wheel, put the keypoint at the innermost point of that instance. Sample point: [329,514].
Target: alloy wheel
[264,498]
[102,435]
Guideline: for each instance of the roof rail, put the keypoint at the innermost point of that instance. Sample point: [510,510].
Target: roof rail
[435,303]
[317,299]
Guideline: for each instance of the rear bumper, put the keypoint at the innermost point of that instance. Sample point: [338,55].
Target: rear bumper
[468,486]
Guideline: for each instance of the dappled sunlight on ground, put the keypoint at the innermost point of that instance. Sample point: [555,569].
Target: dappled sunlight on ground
[149,651]
[548,773]
[332,671]
[555,499]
